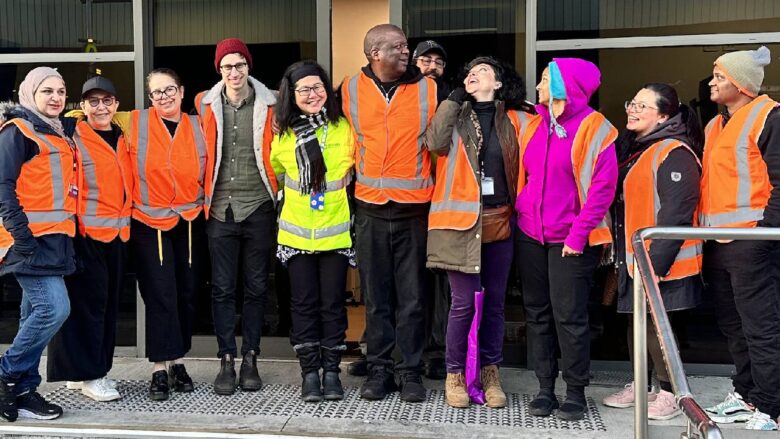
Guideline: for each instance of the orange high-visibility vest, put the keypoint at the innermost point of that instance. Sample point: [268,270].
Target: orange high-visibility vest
[44,186]
[167,172]
[106,193]
[209,124]
[594,135]
[735,184]
[390,159]
[456,200]
[642,204]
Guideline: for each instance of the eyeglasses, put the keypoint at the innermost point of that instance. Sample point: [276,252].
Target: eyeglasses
[427,60]
[306,91]
[95,102]
[638,107]
[169,91]
[227,68]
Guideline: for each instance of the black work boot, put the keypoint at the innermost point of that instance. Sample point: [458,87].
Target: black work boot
[331,383]
[309,358]
[225,383]
[159,389]
[249,377]
[180,379]
[8,402]
[359,367]
[379,383]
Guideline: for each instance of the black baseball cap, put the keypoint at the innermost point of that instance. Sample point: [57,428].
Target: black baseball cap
[429,46]
[98,83]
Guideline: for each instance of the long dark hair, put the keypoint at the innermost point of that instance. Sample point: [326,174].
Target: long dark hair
[286,110]
[512,90]
[668,104]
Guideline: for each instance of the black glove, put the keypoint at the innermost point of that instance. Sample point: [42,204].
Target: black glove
[458,95]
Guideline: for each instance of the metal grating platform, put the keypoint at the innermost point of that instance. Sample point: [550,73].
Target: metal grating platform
[284,400]
[611,378]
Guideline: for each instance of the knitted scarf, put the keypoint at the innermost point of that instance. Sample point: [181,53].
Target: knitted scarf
[308,155]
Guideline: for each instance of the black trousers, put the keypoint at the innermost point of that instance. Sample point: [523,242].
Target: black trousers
[437,314]
[83,349]
[317,299]
[555,295]
[246,244]
[391,259]
[167,288]
[740,275]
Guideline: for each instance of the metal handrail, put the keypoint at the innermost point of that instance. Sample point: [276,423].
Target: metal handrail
[644,275]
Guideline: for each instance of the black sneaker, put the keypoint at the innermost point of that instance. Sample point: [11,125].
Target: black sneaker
[180,379]
[379,383]
[572,410]
[8,408]
[543,404]
[359,367]
[412,389]
[31,405]
[159,389]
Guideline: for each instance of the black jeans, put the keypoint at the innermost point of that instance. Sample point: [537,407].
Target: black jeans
[555,295]
[167,288]
[83,349]
[740,275]
[317,298]
[391,259]
[249,244]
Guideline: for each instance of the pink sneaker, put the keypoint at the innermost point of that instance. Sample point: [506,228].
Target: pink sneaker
[664,407]
[625,398]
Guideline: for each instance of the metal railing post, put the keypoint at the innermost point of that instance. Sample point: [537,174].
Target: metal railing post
[640,357]
[646,280]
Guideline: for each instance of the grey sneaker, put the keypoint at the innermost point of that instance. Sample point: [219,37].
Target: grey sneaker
[732,409]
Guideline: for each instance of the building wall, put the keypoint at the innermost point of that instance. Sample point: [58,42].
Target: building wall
[350,20]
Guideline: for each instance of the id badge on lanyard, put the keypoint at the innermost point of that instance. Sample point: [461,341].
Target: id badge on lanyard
[487,186]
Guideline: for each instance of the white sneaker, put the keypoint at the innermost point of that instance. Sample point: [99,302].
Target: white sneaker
[760,421]
[110,383]
[732,409]
[99,390]
[74,385]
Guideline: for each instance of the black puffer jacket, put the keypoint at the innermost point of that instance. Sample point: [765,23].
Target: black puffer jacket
[47,255]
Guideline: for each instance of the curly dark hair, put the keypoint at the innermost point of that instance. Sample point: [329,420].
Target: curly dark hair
[286,110]
[512,90]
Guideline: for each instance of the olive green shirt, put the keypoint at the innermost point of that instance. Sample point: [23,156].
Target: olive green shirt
[239,184]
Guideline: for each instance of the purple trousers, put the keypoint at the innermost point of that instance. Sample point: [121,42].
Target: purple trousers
[496,263]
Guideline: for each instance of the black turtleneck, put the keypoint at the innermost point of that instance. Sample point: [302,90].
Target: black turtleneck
[491,159]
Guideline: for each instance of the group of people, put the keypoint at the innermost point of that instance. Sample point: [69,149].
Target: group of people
[393,173]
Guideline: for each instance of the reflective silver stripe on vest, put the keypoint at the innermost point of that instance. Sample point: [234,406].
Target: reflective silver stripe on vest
[423,95]
[688,252]
[744,212]
[155,212]
[594,148]
[523,121]
[55,166]
[353,111]
[48,217]
[446,204]
[200,145]
[395,183]
[143,151]
[307,233]
[330,186]
[114,223]
[655,164]
[88,166]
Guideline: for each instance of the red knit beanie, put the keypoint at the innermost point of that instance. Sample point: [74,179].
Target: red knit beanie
[232,45]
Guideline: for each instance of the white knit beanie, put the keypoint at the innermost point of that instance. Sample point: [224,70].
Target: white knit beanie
[745,68]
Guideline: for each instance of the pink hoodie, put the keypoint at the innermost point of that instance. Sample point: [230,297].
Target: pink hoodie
[548,207]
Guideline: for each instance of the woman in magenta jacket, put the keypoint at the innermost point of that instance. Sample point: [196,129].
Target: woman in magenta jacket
[568,176]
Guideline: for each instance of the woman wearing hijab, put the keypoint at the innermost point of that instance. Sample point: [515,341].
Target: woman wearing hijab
[314,155]
[658,185]
[568,174]
[475,134]
[38,192]
[168,156]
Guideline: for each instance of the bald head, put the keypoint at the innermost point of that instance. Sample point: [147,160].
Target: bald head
[378,36]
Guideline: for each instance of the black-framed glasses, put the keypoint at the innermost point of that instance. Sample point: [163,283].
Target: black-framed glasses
[638,107]
[169,91]
[240,66]
[427,60]
[306,91]
[95,102]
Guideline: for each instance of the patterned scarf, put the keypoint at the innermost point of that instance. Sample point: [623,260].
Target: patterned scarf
[308,155]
